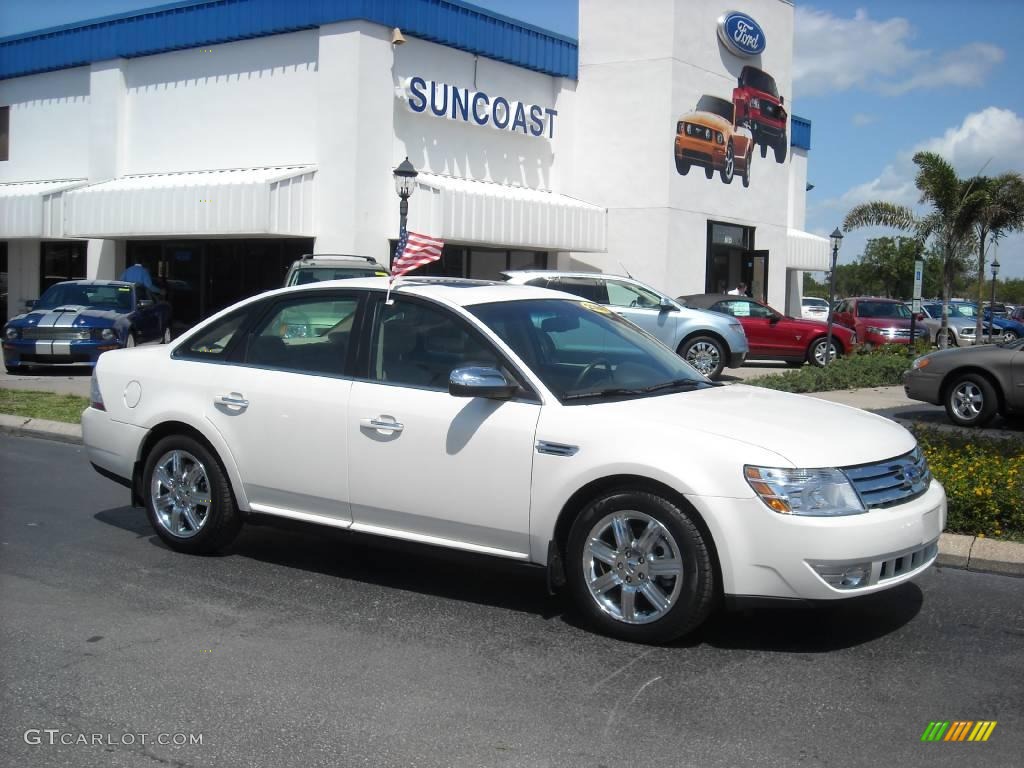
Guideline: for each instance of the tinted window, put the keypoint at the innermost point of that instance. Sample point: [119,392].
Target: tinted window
[106,297]
[715,106]
[420,345]
[212,343]
[762,81]
[883,310]
[581,350]
[586,288]
[540,282]
[629,295]
[740,308]
[307,334]
[303,276]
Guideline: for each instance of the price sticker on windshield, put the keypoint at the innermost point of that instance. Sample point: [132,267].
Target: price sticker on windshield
[595,307]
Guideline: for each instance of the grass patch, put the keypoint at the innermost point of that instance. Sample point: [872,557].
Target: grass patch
[42,405]
[879,368]
[983,477]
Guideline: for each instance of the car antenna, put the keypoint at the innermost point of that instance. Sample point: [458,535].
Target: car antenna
[625,270]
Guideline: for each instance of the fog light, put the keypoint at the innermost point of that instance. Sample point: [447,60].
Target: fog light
[850,576]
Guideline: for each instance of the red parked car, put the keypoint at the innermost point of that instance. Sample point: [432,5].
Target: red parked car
[759,107]
[773,335]
[878,321]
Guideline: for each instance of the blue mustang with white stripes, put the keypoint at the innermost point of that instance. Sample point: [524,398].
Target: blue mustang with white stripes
[74,322]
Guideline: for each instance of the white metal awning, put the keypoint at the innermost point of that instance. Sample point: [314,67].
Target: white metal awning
[34,209]
[245,201]
[806,251]
[460,210]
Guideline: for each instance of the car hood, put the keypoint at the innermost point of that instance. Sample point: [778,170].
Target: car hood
[708,119]
[68,316]
[805,431]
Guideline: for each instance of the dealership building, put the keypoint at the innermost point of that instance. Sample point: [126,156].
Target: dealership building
[217,141]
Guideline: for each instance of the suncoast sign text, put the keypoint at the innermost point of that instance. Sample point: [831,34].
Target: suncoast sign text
[454,103]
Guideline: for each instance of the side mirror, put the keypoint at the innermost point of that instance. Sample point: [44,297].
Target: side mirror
[774,319]
[666,305]
[479,381]
[143,303]
[31,304]
[781,100]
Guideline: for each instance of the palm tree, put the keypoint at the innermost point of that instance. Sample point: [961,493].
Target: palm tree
[1001,211]
[947,223]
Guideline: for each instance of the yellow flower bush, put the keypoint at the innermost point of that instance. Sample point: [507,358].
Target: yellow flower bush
[983,477]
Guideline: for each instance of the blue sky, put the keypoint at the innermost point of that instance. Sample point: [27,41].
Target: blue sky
[879,79]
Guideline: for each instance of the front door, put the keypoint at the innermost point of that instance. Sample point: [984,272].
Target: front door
[425,465]
[643,307]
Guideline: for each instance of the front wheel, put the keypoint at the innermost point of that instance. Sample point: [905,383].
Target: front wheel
[166,338]
[1009,336]
[705,354]
[816,355]
[729,166]
[14,369]
[129,341]
[971,401]
[780,150]
[188,498]
[639,568]
[682,167]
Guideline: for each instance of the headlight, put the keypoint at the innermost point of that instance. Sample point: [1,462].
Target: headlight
[755,103]
[719,137]
[10,333]
[107,334]
[921,362]
[812,492]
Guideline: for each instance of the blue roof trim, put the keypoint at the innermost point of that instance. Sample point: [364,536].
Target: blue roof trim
[195,23]
[800,132]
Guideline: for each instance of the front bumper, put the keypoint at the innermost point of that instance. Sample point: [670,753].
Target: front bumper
[700,152]
[26,352]
[924,386]
[736,360]
[765,554]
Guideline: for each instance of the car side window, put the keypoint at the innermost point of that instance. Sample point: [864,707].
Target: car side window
[419,345]
[736,308]
[307,334]
[629,295]
[540,282]
[213,342]
[592,289]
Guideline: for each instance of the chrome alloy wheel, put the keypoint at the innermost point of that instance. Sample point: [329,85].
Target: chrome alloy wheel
[704,356]
[967,400]
[180,491]
[819,352]
[632,567]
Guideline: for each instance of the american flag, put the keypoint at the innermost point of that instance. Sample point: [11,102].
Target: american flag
[413,251]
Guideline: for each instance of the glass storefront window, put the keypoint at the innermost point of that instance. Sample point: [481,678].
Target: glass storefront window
[61,260]
[479,263]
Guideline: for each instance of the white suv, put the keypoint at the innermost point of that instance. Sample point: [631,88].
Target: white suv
[516,422]
[318,267]
[709,341]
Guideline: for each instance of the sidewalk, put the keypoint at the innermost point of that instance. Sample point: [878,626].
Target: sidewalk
[955,551]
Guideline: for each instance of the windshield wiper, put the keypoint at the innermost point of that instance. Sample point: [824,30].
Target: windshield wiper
[676,383]
[604,393]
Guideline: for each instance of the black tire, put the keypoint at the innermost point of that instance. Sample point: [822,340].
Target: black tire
[1009,336]
[729,166]
[222,519]
[696,583]
[746,169]
[709,171]
[708,355]
[764,149]
[950,339]
[682,166]
[780,149]
[15,369]
[817,350]
[971,400]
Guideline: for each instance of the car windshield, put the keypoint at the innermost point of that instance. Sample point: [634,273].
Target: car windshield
[715,106]
[883,309]
[109,297]
[305,275]
[584,352]
[760,81]
[963,310]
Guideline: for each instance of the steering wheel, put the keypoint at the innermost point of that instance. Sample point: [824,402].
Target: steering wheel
[600,362]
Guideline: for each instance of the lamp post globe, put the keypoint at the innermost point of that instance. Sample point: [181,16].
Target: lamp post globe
[405,184]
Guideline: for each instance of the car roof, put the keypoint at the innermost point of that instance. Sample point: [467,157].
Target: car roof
[118,283]
[559,273]
[458,291]
[333,259]
[876,298]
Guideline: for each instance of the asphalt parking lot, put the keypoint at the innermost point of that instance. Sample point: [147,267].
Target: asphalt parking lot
[310,647]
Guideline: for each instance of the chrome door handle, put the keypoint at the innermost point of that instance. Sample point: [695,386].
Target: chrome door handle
[234,399]
[381,424]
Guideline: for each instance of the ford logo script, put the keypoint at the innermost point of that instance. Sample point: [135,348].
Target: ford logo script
[741,34]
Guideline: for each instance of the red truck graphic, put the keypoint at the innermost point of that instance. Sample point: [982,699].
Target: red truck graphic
[760,108]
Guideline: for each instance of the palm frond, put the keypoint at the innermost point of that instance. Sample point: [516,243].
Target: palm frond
[881,214]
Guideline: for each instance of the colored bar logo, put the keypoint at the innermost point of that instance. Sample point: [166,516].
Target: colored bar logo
[958,730]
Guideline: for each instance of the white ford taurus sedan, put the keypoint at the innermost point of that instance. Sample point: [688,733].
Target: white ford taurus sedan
[521,423]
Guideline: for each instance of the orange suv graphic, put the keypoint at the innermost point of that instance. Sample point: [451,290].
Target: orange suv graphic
[709,137]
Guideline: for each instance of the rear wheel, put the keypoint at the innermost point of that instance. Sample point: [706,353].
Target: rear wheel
[188,498]
[639,568]
[705,353]
[971,401]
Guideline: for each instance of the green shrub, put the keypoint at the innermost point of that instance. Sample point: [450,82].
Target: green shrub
[882,367]
[983,477]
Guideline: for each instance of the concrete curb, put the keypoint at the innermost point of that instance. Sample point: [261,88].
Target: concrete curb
[955,551]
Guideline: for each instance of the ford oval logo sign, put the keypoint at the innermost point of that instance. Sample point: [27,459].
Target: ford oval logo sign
[741,34]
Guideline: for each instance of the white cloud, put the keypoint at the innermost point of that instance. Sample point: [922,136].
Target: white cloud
[861,119]
[832,54]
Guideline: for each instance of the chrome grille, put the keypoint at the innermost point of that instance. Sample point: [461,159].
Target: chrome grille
[895,481]
[55,334]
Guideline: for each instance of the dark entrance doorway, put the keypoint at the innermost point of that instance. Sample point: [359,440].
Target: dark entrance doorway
[204,276]
[732,260]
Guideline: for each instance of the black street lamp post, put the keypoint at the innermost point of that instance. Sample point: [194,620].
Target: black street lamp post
[405,178]
[992,300]
[837,239]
